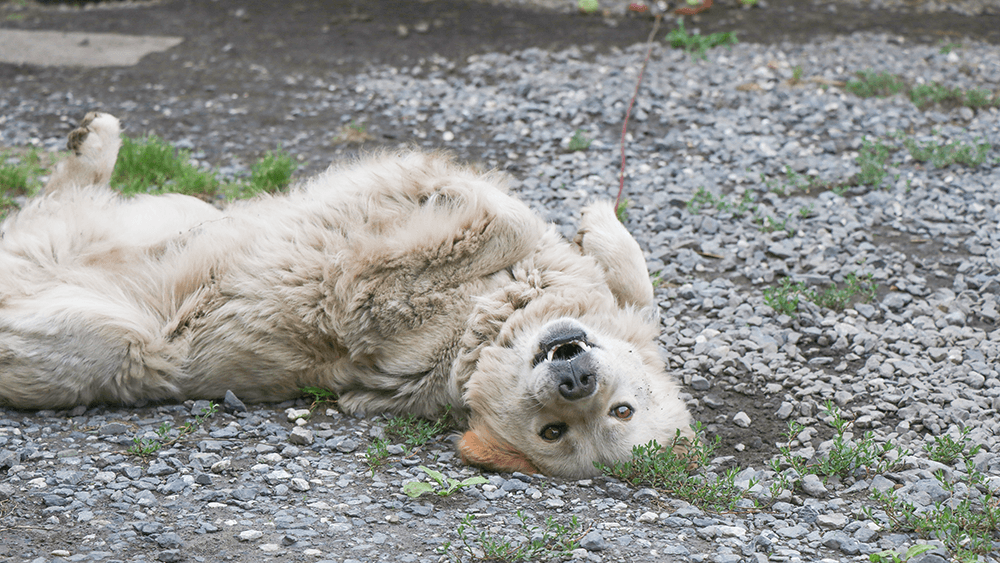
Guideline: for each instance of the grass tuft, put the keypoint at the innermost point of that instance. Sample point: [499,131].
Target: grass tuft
[530,542]
[698,44]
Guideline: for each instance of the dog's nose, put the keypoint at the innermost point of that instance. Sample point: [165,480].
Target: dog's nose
[576,377]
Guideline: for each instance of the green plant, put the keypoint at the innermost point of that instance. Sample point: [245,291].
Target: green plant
[698,44]
[377,454]
[320,397]
[415,431]
[664,468]
[870,84]
[621,211]
[891,556]
[579,142]
[146,446]
[923,95]
[271,173]
[446,486]
[152,165]
[839,298]
[540,543]
[941,155]
[981,99]
[806,210]
[967,523]
[948,46]
[588,6]
[946,450]
[872,159]
[796,74]
[784,298]
[656,278]
[845,456]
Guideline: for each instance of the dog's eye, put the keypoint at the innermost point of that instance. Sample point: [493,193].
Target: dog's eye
[621,412]
[552,432]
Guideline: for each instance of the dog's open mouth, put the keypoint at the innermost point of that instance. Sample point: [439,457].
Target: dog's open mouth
[562,345]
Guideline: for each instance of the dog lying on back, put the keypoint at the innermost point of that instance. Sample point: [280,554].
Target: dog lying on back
[404,283]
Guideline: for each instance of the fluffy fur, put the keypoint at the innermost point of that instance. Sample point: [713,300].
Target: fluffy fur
[404,283]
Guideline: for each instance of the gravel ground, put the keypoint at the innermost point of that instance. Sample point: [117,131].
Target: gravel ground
[917,363]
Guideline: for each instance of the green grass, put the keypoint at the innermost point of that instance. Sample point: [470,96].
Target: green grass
[152,165]
[19,176]
[872,159]
[412,431]
[527,542]
[144,447]
[784,298]
[869,84]
[967,523]
[845,457]
[947,450]
[942,154]
[697,44]
[669,471]
[621,211]
[579,142]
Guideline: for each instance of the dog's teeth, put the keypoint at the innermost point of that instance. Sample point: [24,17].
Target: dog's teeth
[552,354]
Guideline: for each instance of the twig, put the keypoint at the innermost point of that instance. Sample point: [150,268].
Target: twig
[638,83]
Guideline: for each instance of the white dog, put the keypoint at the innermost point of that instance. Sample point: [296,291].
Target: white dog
[404,283]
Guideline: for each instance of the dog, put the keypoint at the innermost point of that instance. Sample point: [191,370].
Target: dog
[403,283]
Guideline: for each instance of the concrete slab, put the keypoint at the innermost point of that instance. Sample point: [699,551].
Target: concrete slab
[72,48]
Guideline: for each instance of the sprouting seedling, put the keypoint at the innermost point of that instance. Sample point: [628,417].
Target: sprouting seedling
[446,486]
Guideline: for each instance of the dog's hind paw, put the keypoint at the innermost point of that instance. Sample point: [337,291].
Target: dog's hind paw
[94,146]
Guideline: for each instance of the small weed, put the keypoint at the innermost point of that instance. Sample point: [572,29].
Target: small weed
[415,431]
[656,278]
[550,541]
[769,224]
[947,451]
[967,523]
[947,47]
[320,397]
[698,44]
[870,84]
[806,211]
[872,159]
[845,457]
[941,155]
[377,454]
[664,469]
[923,95]
[796,75]
[354,133]
[579,142]
[621,211]
[862,289]
[784,298]
[890,556]
[446,486]
[146,446]
[271,173]
[588,6]
[703,198]
[981,99]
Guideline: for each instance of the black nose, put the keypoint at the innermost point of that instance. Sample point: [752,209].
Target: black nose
[575,377]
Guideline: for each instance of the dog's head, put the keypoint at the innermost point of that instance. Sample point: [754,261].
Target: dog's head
[576,378]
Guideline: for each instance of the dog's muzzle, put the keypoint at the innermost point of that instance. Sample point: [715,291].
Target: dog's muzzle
[571,365]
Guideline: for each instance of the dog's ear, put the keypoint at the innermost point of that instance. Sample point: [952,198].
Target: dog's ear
[480,448]
[604,238]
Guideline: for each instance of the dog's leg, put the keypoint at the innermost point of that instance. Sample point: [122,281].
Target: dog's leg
[604,238]
[93,151]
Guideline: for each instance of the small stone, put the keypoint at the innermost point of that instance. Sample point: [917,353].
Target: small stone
[742,420]
[832,521]
[220,466]
[648,517]
[249,535]
[232,403]
[112,429]
[813,486]
[594,541]
[301,436]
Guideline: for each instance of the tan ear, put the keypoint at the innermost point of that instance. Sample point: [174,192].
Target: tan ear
[482,449]
[604,238]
